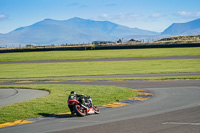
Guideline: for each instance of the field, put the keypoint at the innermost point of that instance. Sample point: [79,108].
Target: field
[32,70]
[97,54]
[56,101]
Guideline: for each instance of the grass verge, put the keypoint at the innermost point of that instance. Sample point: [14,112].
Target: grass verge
[96,54]
[108,79]
[32,70]
[56,102]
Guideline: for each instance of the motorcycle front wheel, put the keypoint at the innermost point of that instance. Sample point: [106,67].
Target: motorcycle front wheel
[97,111]
[80,111]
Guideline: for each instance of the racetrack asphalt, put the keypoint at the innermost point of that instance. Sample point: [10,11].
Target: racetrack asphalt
[181,121]
[15,95]
[174,108]
[122,75]
[158,114]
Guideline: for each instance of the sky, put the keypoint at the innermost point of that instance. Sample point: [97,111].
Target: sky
[154,15]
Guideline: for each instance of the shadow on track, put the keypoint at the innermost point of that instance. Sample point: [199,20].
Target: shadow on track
[57,115]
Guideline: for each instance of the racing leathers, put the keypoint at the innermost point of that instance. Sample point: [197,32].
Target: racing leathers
[83,99]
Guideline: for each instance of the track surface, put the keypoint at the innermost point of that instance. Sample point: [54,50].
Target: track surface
[169,96]
[174,108]
[10,96]
[123,75]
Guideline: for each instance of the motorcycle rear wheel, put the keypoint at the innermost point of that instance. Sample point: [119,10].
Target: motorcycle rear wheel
[80,111]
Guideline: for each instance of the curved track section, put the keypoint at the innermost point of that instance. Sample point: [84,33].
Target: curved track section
[10,96]
[171,102]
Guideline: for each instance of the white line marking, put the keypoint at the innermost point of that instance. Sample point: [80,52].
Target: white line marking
[180,123]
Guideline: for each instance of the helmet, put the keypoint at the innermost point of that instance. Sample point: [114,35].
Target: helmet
[73,93]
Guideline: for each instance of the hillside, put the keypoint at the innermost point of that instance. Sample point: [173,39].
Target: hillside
[180,39]
[188,28]
[71,31]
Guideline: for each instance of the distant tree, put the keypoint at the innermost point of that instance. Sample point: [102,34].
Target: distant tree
[132,40]
[119,41]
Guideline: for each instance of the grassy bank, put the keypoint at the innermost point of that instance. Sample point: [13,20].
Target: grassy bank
[30,80]
[56,102]
[96,54]
[98,68]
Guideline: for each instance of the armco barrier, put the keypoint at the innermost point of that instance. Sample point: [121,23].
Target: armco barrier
[139,46]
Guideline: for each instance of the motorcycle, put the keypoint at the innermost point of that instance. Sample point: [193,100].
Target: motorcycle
[82,110]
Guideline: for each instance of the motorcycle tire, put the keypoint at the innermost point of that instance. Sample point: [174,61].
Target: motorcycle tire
[80,111]
[97,111]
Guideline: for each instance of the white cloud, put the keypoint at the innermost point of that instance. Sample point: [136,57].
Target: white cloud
[198,14]
[156,15]
[105,15]
[187,16]
[120,18]
[2,16]
[184,13]
[134,15]
[129,16]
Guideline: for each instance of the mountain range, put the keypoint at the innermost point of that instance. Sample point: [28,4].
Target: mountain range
[188,28]
[78,30]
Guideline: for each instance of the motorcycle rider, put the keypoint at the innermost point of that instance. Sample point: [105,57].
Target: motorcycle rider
[84,99]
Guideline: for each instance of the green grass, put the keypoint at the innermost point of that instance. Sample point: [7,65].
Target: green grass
[98,68]
[108,79]
[96,54]
[56,102]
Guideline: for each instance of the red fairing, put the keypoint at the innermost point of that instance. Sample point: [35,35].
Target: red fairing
[80,109]
[72,102]
[90,111]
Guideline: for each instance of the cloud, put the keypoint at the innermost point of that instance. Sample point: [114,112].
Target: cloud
[189,14]
[119,16]
[180,17]
[156,15]
[105,16]
[198,14]
[3,16]
[184,13]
